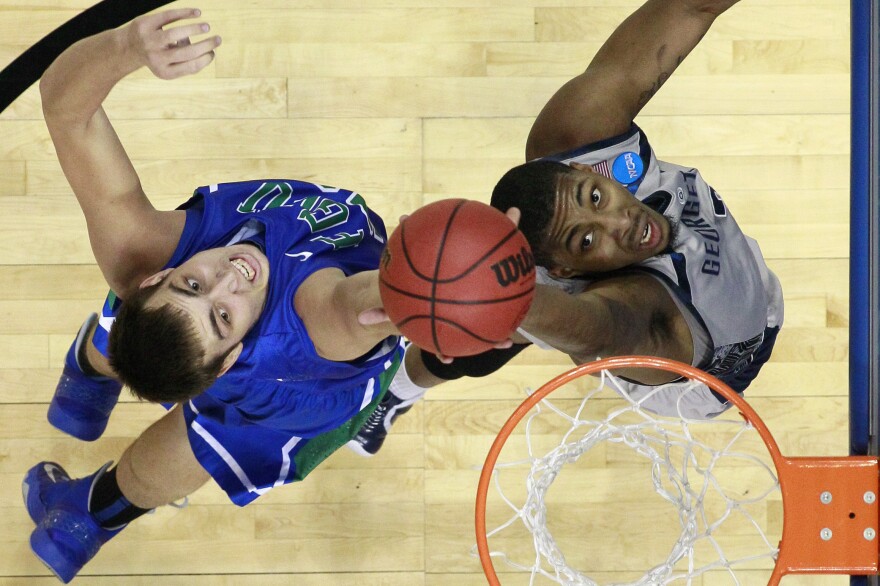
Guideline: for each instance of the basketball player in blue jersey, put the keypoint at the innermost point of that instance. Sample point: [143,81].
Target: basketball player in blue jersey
[262,282]
[638,256]
[596,199]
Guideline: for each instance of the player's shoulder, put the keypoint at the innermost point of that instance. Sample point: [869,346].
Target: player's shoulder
[269,193]
[633,139]
[626,158]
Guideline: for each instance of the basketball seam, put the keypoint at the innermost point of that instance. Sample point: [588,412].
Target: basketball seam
[430,292]
[451,323]
[421,297]
[434,282]
[464,273]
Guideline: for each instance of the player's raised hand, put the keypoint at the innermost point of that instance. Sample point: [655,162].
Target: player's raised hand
[169,51]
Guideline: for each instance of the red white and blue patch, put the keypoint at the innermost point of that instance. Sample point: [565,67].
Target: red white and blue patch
[602,169]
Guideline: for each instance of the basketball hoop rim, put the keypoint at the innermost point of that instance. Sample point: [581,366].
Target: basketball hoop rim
[680,368]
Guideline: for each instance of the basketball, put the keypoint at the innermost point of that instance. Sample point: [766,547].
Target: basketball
[457,277]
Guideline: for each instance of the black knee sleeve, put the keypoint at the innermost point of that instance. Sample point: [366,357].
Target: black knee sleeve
[473,366]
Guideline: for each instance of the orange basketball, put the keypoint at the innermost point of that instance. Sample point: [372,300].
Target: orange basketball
[457,277]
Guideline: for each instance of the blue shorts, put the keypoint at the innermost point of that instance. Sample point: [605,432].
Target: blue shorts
[247,459]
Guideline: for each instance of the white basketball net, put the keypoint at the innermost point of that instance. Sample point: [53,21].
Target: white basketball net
[716,473]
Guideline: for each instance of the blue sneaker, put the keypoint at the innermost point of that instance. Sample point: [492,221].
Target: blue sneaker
[373,432]
[67,534]
[82,404]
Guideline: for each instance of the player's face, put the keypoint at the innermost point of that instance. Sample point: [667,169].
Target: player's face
[599,226]
[223,290]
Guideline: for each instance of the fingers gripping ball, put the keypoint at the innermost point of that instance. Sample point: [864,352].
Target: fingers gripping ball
[457,277]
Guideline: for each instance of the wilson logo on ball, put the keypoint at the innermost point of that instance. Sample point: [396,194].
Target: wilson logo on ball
[514,267]
[457,277]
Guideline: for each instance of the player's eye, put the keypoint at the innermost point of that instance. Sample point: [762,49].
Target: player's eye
[224,315]
[596,196]
[587,241]
[193,284]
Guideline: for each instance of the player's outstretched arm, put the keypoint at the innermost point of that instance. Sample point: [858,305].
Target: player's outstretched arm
[337,312]
[626,315]
[634,62]
[130,239]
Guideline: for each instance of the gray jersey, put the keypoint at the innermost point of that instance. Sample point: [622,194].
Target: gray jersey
[715,273]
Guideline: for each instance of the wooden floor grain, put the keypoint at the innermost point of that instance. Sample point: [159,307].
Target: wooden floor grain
[409,101]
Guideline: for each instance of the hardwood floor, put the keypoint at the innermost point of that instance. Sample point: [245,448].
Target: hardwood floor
[409,101]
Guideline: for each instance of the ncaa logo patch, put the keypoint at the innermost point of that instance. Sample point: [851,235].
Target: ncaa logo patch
[627,168]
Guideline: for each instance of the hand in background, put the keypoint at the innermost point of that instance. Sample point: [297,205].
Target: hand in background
[170,52]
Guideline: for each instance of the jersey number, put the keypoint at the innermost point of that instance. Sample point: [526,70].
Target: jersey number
[320,213]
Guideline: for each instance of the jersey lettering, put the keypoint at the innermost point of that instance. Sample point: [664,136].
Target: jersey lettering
[321,213]
[702,227]
[690,217]
[356,200]
[717,204]
[341,239]
[277,193]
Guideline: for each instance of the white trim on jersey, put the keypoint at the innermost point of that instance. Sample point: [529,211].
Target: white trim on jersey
[285,459]
[368,393]
[227,457]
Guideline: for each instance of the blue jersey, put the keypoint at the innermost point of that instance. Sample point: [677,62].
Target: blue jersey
[279,380]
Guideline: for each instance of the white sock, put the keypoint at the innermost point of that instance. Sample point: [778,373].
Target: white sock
[403,387]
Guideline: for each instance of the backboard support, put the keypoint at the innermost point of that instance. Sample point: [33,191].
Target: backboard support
[865,235]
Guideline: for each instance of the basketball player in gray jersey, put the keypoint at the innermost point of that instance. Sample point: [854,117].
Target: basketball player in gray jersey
[638,256]
[722,290]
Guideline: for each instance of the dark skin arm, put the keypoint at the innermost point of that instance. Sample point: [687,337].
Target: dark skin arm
[631,66]
[631,314]
[627,315]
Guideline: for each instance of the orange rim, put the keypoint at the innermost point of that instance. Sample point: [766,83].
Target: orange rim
[529,403]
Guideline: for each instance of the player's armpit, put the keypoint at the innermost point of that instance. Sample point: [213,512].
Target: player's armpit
[644,318]
[132,241]
[129,237]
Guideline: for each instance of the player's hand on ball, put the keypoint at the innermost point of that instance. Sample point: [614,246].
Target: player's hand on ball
[457,277]
[514,214]
[499,346]
[170,52]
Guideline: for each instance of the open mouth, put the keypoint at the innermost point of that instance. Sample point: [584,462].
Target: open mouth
[646,235]
[651,235]
[245,268]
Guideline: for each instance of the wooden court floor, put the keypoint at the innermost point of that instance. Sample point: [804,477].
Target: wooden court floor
[410,101]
